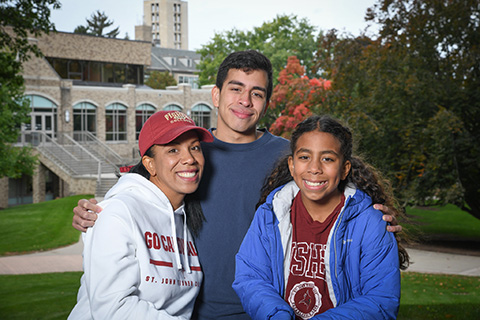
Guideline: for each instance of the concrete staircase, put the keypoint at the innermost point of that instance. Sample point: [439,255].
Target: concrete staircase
[87,157]
[104,186]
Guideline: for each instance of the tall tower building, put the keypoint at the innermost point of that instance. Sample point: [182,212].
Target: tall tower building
[169,22]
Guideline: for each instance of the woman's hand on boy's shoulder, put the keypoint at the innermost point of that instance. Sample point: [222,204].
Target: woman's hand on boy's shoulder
[388,216]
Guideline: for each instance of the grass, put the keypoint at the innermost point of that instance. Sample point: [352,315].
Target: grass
[38,296]
[424,296]
[37,227]
[427,296]
[53,295]
[444,222]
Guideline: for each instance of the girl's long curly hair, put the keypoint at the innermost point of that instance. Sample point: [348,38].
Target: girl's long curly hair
[362,175]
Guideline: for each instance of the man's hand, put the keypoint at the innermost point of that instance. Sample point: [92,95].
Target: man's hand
[389,217]
[85,214]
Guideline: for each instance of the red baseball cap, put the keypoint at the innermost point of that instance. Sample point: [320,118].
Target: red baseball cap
[165,126]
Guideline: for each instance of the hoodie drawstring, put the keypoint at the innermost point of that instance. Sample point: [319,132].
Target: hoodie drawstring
[175,243]
[185,242]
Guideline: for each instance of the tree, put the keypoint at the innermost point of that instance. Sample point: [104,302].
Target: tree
[19,20]
[96,26]
[160,80]
[413,95]
[81,30]
[283,37]
[295,97]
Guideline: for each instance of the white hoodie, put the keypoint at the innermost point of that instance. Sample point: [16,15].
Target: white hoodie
[133,258]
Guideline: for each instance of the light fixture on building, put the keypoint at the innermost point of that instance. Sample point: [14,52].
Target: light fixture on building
[67,116]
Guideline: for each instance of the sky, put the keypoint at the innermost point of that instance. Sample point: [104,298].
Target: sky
[207,17]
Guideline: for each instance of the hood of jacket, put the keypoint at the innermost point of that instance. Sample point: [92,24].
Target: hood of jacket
[136,186]
[281,200]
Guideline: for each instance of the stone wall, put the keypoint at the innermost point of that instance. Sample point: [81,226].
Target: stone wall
[77,46]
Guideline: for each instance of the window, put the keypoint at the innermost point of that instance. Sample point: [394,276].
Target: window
[95,74]
[173,107]
[142,113]
[39,102]
[120,73]
[192,80]
[60,66]
[85,118]
[201,115]
[97,71]
[116,122]
[20,191]
[108,73]
[43,115]
[75,70]
[133,73]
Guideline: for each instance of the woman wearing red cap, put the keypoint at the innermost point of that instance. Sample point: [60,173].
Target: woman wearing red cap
[139,260]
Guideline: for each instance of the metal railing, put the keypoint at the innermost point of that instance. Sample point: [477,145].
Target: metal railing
[102,149]
[66,153]
[78,155]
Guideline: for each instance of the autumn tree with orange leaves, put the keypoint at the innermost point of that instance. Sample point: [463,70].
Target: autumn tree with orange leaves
[295,97]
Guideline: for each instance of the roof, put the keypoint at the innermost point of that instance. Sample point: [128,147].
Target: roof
[174,60]
[87,47]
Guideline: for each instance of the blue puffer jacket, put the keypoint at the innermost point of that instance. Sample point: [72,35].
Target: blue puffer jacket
[362,265]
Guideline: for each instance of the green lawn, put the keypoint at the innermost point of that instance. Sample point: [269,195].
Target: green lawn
[38,296]
[447,222]
[52,296]
[424,296]
[427,296]
[36,227]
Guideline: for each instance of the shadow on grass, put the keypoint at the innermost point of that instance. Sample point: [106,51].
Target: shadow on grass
[38,296]
[457,311]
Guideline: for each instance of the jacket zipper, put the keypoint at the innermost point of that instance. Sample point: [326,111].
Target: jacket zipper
[335,234]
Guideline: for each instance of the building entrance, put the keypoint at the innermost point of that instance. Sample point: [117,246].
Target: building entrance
[42,121]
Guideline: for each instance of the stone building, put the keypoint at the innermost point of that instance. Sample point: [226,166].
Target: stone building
[182,64]
[88,105]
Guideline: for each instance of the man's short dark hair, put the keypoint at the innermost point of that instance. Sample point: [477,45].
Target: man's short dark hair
[246,61]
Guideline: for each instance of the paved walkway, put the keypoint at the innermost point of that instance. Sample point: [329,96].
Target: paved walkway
[58,260]
[70,259]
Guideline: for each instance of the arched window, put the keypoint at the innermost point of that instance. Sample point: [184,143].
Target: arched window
[85,118]
[43,115]
[173,107]
[201,114]
[116,122]
[142,113]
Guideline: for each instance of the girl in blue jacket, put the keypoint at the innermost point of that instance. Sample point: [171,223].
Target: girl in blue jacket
[317,248]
